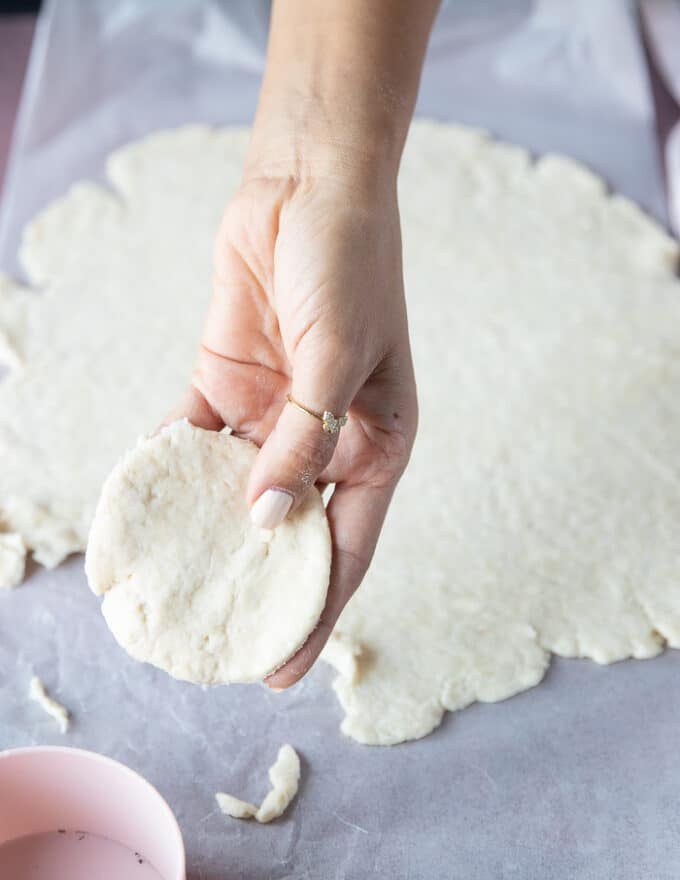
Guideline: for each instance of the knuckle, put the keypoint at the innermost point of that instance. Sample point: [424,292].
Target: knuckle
[309,458]
[393,459]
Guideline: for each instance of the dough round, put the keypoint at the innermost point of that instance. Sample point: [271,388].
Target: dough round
[189,584]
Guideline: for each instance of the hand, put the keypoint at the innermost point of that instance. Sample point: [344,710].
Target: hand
[308,299]
[308,295]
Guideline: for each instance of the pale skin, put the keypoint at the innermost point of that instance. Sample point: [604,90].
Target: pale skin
[308,294]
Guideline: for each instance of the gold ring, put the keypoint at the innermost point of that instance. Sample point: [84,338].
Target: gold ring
[329,422]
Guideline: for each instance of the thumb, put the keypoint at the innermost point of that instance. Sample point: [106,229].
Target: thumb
[298,449]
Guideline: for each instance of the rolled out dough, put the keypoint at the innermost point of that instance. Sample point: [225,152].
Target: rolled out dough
[541,509]
[12,559]
[189,583]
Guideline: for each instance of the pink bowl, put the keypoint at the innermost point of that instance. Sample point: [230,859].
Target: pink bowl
[48,787]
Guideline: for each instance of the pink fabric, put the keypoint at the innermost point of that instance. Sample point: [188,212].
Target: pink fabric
[16,33]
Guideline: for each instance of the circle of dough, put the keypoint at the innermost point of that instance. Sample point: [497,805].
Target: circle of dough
[540,510]
[189,583]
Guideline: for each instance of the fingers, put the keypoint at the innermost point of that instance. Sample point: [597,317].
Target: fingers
[355,516]
[298,449]
[195,408]
[293,456]
[245,396]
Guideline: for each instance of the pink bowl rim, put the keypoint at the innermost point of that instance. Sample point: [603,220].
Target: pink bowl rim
[88,755]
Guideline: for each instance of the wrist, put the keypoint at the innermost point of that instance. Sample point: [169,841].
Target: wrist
[338,91]
[302,134]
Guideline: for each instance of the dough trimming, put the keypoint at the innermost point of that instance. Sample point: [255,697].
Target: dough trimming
[284,775]
[38,693]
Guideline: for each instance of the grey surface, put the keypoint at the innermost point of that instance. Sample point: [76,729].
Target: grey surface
[577,778]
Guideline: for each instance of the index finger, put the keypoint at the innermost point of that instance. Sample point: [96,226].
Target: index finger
[355,516]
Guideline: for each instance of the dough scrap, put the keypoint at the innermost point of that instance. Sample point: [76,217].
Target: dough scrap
[541,509]
[284,776]
[189,583]
[12,559]
[232,806]
[53,708]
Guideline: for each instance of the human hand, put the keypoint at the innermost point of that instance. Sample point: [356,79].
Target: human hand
[308,299]
[308,294]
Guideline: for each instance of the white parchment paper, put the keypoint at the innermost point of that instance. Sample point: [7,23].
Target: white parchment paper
[578,778]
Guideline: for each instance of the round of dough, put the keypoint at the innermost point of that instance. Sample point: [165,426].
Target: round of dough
[189,583]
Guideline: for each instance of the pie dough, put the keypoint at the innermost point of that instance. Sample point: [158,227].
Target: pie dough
[284,776]
[189,583]
[541,509]
[12,559]
[342,652]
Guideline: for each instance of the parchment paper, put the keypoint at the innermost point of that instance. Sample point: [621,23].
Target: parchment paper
[577,778]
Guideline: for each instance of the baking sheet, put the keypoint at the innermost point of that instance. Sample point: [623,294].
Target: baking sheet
[577,778]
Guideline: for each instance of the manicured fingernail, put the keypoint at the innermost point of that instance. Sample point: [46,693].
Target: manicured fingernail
[271,508]
[276,690]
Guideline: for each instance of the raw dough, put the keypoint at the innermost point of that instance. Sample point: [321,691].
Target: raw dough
[38,693]
[284,776]
[343,653]
[107,344]
[232,806]
[12,559]
[541,508]
[14,310]
[189,583]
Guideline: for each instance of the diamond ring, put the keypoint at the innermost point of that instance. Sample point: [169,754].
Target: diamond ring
[331,424]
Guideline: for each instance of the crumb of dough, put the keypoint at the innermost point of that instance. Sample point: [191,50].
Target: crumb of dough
[284,776]
[232,806]
[12,559]
[38,693]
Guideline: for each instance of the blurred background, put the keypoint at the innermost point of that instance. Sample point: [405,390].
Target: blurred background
[598,81]
[17,23]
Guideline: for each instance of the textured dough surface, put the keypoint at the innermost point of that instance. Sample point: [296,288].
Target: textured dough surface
[234,807]
[102,352]
[189,583]
[344,654]
[541,509]
[12,559]
[284,775]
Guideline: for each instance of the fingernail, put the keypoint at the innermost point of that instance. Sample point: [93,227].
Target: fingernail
[271,508]
[276,690]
